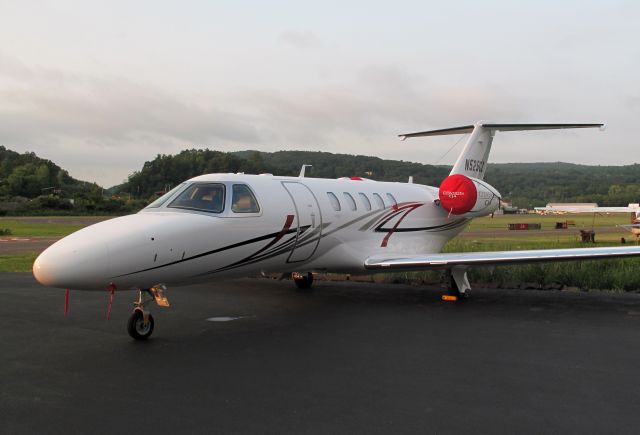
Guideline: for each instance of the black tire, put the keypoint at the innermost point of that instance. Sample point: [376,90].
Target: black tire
[136,327]
[303,282]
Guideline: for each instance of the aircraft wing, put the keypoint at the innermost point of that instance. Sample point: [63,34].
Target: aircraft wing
[449,260]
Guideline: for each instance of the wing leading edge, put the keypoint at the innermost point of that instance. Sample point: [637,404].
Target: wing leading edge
[450,260]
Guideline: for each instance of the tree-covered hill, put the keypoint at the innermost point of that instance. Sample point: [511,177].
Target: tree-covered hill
[536,184]
[526,184]
[29,184]
[32,185]
[29,176]
[167,170]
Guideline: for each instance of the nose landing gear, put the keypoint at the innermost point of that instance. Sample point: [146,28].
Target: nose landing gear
[140,324]
[138,327]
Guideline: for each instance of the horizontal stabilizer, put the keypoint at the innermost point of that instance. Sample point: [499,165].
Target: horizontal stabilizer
[442,132]
[449,260]
[498,127]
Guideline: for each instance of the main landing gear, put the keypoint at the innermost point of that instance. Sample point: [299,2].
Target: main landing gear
[303,281]
[140,324]
[458,284]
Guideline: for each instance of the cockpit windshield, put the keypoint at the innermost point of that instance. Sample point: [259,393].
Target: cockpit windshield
[158,202]
[207,197]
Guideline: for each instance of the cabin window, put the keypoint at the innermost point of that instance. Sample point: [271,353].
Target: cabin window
[350,201]
[394,203]
[365,201]
[378,200]
[207,197]
[243,200]
[333,199]
[158,202]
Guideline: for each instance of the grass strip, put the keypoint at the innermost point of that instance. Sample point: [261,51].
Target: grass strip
[17,263]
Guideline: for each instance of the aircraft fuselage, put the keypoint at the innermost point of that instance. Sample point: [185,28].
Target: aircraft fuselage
[301,224]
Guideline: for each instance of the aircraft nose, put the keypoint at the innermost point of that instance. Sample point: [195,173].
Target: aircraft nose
[66,264]
[45,270]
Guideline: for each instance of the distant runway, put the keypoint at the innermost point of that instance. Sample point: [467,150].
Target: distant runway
[348,358]
[17,245]
[22,245]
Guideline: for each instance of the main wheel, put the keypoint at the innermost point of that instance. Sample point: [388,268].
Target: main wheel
[303,281]
[137,328]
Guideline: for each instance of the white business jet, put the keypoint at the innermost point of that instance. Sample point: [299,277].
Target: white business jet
[230,225]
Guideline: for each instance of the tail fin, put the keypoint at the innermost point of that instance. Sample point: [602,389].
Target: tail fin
[472,161]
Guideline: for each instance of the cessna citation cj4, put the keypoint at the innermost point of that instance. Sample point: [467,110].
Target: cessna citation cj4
[230,225]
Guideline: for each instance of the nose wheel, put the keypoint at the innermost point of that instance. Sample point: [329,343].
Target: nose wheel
[138,327]
[140,324]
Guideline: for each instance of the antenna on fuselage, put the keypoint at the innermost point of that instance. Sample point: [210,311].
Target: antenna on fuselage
[304,167]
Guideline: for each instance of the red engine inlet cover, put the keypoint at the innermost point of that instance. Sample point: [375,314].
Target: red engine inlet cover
[458,194]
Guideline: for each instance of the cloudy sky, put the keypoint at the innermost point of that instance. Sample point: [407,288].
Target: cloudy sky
[101,87]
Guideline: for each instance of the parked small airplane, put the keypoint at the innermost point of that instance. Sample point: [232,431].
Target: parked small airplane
[634,209]
[229,225]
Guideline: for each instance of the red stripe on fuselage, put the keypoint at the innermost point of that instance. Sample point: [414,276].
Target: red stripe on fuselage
[281,234]
[411,208]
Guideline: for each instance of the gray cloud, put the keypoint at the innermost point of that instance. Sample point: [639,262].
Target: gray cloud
[54,102]
[381,100]
[103,128]
[633,103]
[302,40]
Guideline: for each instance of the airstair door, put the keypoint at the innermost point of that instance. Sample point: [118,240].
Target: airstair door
[309,221]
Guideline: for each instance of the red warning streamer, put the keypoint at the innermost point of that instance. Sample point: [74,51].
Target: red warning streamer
[111,289]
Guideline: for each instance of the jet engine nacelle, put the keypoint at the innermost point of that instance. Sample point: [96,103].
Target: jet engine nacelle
[469,197]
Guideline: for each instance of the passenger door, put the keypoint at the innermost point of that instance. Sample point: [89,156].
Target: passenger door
[309,221]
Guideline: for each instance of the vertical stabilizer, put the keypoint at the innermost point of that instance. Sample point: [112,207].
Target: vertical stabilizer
[472,161]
